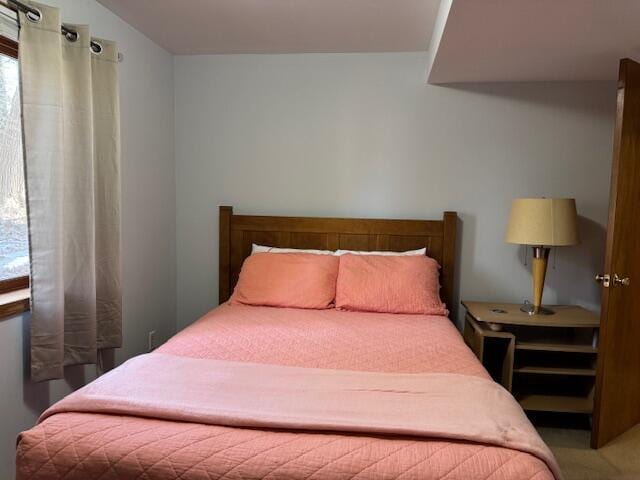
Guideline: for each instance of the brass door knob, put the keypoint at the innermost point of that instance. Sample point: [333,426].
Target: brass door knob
[620,281]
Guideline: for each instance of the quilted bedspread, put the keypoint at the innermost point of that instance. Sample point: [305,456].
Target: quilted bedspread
[92,446]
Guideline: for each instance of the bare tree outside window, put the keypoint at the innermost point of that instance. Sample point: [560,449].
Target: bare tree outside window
[14,240]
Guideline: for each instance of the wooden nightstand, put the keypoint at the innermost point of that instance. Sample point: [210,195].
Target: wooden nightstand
[548,362]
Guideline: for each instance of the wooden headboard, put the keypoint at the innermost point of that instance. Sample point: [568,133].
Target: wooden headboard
[238,232]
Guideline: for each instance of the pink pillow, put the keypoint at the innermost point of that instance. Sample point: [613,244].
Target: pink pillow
[292,280]
[389,284]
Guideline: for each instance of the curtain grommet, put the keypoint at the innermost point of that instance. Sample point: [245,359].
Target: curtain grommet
[71,36]
[96,47]
[34,15]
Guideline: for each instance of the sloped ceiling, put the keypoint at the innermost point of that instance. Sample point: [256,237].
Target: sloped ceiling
[534,40]
[281,26]
[463,40]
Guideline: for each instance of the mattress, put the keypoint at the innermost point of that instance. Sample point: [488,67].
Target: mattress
[87,446]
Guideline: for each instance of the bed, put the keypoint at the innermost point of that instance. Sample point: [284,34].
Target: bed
[94,445]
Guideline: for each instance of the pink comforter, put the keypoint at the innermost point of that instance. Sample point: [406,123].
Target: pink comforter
[89,445]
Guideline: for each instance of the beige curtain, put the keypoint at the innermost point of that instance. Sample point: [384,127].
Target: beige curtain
[70,110]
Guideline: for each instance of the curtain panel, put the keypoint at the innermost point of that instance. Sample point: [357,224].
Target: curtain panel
[70,114]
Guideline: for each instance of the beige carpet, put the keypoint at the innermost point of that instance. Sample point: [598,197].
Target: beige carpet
[618,460]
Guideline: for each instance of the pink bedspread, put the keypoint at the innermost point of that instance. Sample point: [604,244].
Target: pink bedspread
[85,446]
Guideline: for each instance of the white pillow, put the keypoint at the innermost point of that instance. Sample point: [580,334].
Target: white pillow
[263,249]
[408,253]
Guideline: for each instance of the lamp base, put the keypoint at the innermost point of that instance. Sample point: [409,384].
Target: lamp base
[529,309]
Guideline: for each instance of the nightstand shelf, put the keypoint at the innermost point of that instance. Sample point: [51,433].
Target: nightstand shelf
[547,362]
[550,346]
[587,372]
[556,403]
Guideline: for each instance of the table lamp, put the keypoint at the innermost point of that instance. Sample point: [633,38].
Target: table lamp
[542,223]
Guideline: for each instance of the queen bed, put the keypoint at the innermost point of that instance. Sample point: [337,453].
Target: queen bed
[85,444]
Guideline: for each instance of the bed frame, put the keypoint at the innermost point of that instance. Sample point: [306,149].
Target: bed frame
[238,232]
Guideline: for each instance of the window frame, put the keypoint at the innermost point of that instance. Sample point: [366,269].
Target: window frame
[11,301]
[8,47]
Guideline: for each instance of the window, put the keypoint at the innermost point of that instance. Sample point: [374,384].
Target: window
[14,239]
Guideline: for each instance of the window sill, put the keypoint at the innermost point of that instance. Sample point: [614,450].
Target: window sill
[13,303]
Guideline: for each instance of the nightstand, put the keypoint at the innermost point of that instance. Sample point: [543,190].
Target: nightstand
[548,362]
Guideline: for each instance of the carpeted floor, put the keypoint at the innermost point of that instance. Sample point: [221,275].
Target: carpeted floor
[618,460]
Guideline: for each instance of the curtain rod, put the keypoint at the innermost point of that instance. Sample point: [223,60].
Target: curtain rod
[35,15]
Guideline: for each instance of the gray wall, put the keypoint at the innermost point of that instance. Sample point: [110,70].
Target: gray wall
[148,225]
[362,135]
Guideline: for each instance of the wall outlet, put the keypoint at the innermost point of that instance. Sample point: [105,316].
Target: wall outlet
[152,340]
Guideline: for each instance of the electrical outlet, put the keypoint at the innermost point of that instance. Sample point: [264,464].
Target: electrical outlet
[152,340]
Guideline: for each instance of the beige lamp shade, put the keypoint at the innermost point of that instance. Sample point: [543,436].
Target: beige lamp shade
[550,222]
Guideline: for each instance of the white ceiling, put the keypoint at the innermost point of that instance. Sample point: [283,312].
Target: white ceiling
[281,26]
[467,40]
[535,40]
